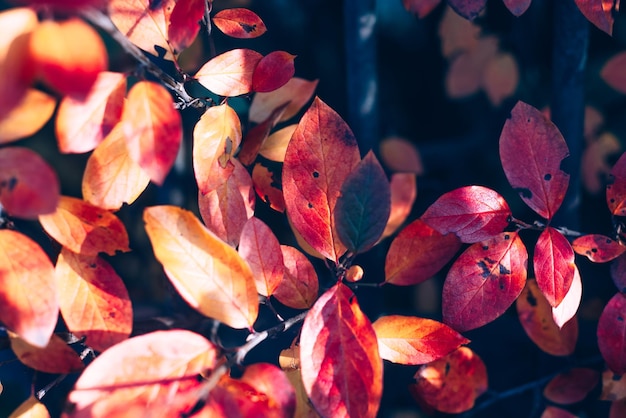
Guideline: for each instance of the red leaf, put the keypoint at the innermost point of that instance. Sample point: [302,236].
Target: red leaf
[268,186]
[418,253]
[93,299]
[28,296]
[618,273]
[297,92]
[571,386]
[451,384]
[412,340]
[612,334]
[299,287]
[568,307]
[598,248]
[535,315]
[554,412]
[153,129]
[484,281]
[260,248]
[274,384]
[229,74]
[321,155]
[273,71]
[256,136]
[517,7]
[81,124]
[239,23]
[616,188]
[184,23]
[28,185]
[56,357]
[531,151]
[613,72]
[473,213]
[364,205]
[335,333]
[553,262]
[420,7]
[28,116]
[599,12]
[403,193]
[469,9]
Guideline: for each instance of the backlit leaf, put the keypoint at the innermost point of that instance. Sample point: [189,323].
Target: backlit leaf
[273,71]
[469,9]
[535,315]
[81,124]
[31,408]
[142,371]
[517,7]
[484,281]
[398,154]
[28,185]
[299,287]
[321,155]
[364,205]
[531,151]
[93,299]
[111,177]
[616,188]
[553,262]
[257,135]
[28,296]
[275,146]
[56,357]
[613,72]
[274,384]
[599,12]
[268,186]
[207,272]
[598,248]
[571,386]
[84,228]
[418,253]
[260,248]
[612,334]
[472,213]
[568,307]
[28,116]
[153,129]
[403,193]
[613,386]
[184,23]
[229,74]
[420,7]
[297,92]
[335,333]
[451,384]
[413,340]
[239,23]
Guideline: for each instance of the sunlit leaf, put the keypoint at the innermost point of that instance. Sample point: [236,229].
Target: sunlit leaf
[500,77]
[571,386]
[28,185]
[612,334]
[31,408]
[616,188]
[27,117]
[268,185]
[553,262]
[229,74]
[274,384]
[457,34]
[320,156]
[257,135]
[93,299]
[613,72]
[260,248]
[55,357]
[273,71]
[297,92]
[81,124]
[469,9]
[413,340]
[398,154]
[517,7]
[239,23]
[299,287]
[420,7]
[598,248]
[142,371]
[207,272]
[535,315]
[275,146]
[184,23]
[569,306]
[403,193]
[28,296]
[451,384]
[153,129]
[335,333]
[418,253]
[531,151]
[599,12]
[613,386]
[84,228]
[484,281]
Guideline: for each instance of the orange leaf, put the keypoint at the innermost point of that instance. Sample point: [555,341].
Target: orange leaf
[216,138]
[297,92]
[535,315]
[568,307]
[500,77]
[457,34]
[111,178]
[412,340]
[27,117]
[273,71]
[68,55]
[335,333]
[31,408]
[599,12]
[616,188]
[81,124]
[612,334]
[598,248]
[398,154]
[207,272]
[451,384]
[85,229]
[613,72]
[613,386]
[571,386]
[142,371]
[420,7]
[299,286]
[56,357]
[28,185]
[275,146]
[230,74]
[184,23]
[28,296]
[466,73]
[321,155]
[257,135]
[403,194]
[239,23]
[93,300]
[267,185]
[153,129]
[553,262]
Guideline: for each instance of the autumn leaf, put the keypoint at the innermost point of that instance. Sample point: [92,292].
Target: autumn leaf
[31,408]
[571,386]
[184,23]
[569,306]
[239,23]
[55,357]
[413,340]
[398,154]
[334,333]
[403,193]
[555,412]
[466,73]
[598,248]
[28,116]
[272,382]
[531,151]
[229,74]
[268,185]
[484,281]
[297,92]
[616,188]
[207,272]
[28,185]
[153,129]
[612,334]
[420,7]
[599,12]
[457,34]
[595,161]
[28,296]
[275,146]
[500,77]
[517,7]
[299,287]
[257,135]
[553,262]
[321,155]
[469,9]
[273,71]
